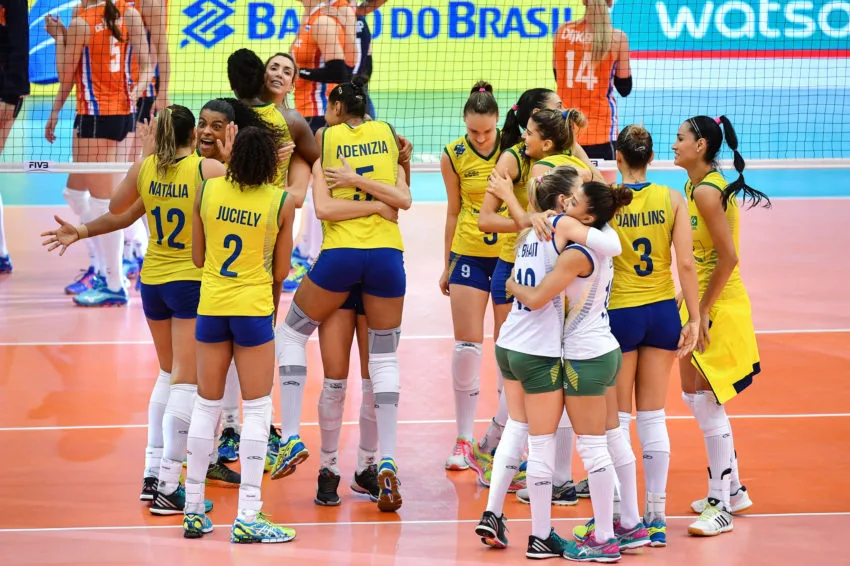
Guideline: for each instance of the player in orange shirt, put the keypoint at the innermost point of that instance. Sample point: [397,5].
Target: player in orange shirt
[590,60]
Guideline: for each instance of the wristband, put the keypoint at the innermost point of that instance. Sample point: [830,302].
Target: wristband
[82,231]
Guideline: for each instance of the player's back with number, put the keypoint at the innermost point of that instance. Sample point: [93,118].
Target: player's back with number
[102,77]
[168,200]
[240,228]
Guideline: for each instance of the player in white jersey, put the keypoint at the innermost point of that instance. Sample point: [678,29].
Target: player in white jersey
[528,352]
[592,358]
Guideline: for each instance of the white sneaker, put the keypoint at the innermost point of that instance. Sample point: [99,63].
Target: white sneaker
[738,501]
[459,459]
[715,519]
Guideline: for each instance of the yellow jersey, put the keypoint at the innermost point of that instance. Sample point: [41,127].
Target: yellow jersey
[371,150]
[169,201]
[272,116]
[508,251]
[642,272]
[705,253]
[473,171]
[240,227]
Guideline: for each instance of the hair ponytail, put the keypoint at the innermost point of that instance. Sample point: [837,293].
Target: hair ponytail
[517,117]
[739,185]
[111,15]
[481,100]
[174,127]
[599,20]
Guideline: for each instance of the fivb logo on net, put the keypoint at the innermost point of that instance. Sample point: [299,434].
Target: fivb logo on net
[208,24]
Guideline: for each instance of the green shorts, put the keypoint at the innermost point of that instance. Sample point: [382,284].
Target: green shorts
[593,377]
[537,374]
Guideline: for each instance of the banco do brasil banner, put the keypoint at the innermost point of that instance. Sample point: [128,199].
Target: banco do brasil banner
[448,44]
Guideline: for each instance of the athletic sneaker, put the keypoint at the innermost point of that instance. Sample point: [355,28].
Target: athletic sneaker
[714,520]
[102,297]
[738,501]
[83,282]
[635,537]
[478,461]
[517,483]
[366,482]
[228,445]
[561,494]
[551,547]
[657,532]
[272,449]
[583,489]
[5,264]
[590,550]
[260,530]
[298,258]
[174,503]
[290,455]
[389,498]
[291,283]
[460,457]
[196,526]
[131,268]
[148,489]
[326,494]
[492,530]
[220,475]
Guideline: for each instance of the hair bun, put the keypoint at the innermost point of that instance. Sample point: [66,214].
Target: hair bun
[482,86]
[622,196]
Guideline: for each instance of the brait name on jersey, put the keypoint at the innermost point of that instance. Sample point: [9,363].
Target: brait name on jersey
[362,149]
[645,218]
[238,216]
[168,190]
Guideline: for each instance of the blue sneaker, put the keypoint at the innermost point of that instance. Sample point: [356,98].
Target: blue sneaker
[83,283]
[228,445]
[260,530]
[196,526]
[5,264]
[390,499]
[291,283]
[299,258]
[291,453]
[131,268]
[102,297]
[657,533]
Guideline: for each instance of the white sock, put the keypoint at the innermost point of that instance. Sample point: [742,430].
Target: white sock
[175,426]
[466,372]
[79,203]
[564,440]
[3,251]
[112,245]
[735,479]
[368,450]
[383,368]
[717,432]
[205,418]
[230,401]
[624,464]
[331,407]
[655,445]
[600,478]
[311,240]
[625,425]
[541,462]
[252,455]
[506,464]
[156,411]
[291,344]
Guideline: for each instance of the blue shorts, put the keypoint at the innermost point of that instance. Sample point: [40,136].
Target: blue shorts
[378,272]
[354,302]
[246,331]
[471,271]
[500,279]
[656,325]
[177,299]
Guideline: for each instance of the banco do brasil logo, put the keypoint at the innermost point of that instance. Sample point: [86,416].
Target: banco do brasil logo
[208,23]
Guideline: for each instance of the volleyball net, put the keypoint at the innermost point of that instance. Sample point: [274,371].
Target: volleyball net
[778,69]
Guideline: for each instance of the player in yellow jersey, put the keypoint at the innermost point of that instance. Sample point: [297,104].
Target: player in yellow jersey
[726,357]
[242,238]
[644,316]
[163,186]
[358,187]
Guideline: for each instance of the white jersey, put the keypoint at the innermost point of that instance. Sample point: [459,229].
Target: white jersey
[534,332]
[587,331]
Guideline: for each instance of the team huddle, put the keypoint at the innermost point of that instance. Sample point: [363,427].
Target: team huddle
[587,318]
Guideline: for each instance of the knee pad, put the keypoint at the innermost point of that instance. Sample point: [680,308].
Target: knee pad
[565,420]
[181,401]
[619,448]
[384,341]
[332,403]
[299,322]
[688,398]
[541,455]
[466,366]
[711,417]
[652,431]
[593,451]
[513,438]
[205,416]
[161,388]
[256,419]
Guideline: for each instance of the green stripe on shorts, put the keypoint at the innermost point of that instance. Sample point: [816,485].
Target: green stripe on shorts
[593,377]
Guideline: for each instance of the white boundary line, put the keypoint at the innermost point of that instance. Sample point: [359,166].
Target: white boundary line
[422,422]
[403,522]
[403,337]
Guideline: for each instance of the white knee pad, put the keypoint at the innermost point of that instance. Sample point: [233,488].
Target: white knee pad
[466,366]
[688,398]
[652,431]
[541,455]
[383,365]
[181,401]
[256,419]
[205,417]
[593,451]
[619,448]
[711,417]
[565,420]
[332,403]
[513,438]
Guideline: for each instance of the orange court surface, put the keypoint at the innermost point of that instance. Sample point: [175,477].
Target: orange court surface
[75,384]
